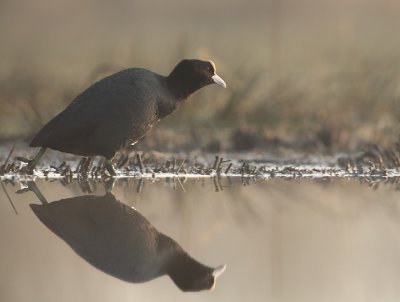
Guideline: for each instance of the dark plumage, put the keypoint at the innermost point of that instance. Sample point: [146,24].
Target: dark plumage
[118,110]
[120,241]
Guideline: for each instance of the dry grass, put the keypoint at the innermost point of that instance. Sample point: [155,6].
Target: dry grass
[296,80]
[344,109]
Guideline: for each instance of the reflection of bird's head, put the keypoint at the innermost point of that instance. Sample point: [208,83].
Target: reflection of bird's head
[190,275]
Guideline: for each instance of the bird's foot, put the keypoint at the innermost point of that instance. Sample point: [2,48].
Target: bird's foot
[22,159]
[31,163]
[28,188]
[28,169]
[110,168]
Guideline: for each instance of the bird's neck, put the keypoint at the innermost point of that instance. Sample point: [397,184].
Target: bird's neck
[174,254]
[181,87]
[185,270]
[166,107]
[168,248]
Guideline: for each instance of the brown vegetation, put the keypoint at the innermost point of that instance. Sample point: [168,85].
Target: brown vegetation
[306,76]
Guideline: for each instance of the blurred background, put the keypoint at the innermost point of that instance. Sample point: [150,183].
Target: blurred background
[302,75]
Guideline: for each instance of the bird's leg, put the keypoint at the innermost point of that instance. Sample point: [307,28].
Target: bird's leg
[37,192]
[109,167]
[109,184]
[33,188]
[33,162]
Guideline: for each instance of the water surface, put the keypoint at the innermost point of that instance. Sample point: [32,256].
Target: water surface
[281,240]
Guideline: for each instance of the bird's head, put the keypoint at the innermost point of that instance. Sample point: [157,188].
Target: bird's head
[191,75]
[190,275]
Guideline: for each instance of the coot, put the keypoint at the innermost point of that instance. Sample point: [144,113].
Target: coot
[121,242]
[119,110]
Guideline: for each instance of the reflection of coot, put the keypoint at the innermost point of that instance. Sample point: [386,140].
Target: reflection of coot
[121,242]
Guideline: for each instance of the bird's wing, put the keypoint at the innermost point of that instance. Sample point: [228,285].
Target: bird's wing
[94,109]
[110,113]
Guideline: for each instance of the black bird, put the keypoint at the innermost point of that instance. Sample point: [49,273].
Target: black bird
[119,109]
[121,242]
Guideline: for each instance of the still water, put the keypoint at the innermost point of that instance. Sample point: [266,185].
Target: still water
[300,240]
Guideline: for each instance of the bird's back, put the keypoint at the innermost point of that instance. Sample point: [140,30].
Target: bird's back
[108,234]
[112,112]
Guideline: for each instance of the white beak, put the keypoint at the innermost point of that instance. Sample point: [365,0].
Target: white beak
[218,80]
[219,270]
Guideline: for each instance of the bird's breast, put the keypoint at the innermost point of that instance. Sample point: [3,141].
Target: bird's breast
[165,108]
